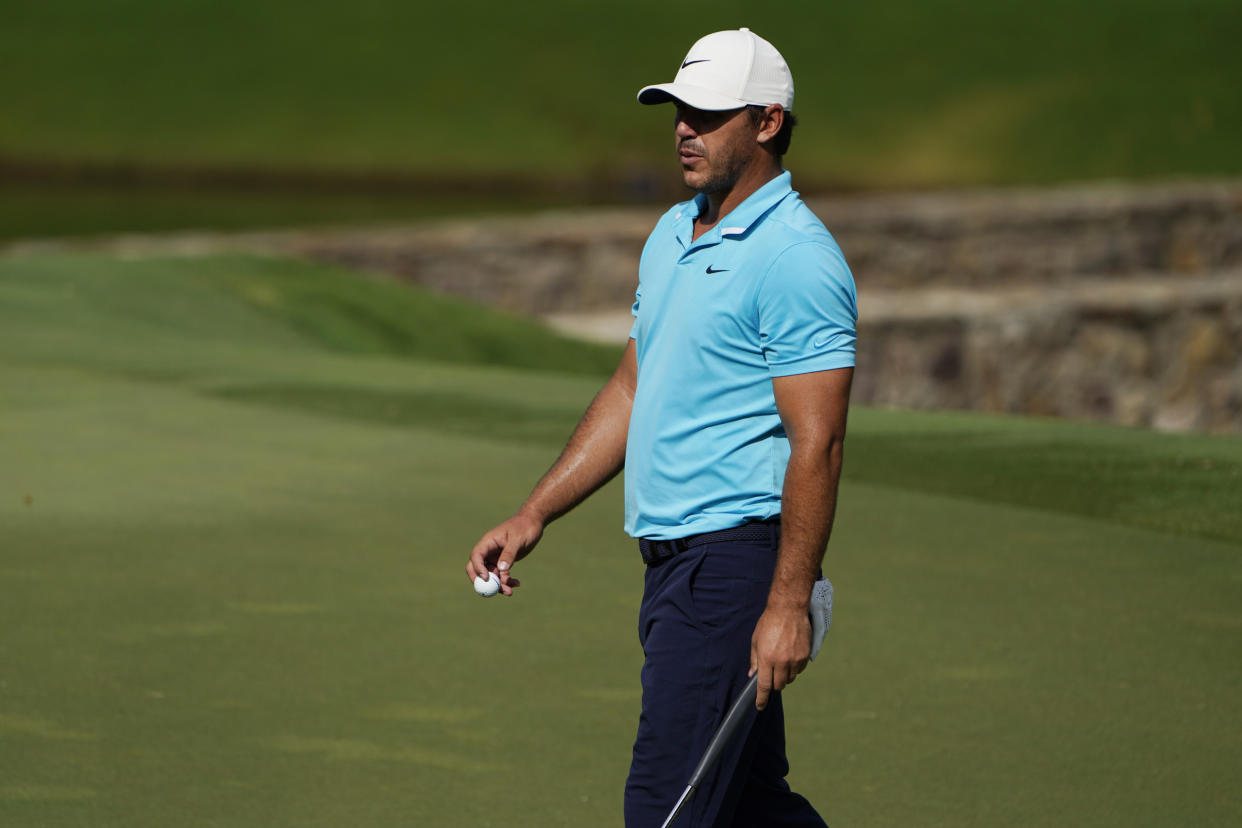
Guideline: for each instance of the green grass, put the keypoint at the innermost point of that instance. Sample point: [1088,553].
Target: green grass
[1114,474]
[233,525]
[136,310]
[910,92]
[73,210]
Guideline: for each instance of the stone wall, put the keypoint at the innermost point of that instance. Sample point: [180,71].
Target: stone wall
[550,263]
[586,260]
[1144,351]
[1120,303]
[988,239]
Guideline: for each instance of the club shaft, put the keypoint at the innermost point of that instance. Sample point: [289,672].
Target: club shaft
[743,704]
[672,815]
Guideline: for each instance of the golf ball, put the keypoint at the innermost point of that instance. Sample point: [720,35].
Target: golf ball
[487,587]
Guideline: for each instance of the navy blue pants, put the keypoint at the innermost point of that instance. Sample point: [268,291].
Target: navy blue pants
[698,612]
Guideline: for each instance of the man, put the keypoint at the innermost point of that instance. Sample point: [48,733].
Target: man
[728,413]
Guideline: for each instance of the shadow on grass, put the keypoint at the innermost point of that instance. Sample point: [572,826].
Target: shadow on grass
[442,411]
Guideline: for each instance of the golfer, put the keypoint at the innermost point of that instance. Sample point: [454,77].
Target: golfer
[728,414]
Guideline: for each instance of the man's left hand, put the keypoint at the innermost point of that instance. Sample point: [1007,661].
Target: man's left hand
[779,649]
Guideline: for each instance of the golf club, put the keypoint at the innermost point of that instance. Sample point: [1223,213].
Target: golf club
[721,739]
[821,620]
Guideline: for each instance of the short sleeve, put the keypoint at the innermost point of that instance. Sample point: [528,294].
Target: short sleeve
[808,311]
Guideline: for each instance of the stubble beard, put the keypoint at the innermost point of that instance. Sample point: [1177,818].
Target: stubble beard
[719,177]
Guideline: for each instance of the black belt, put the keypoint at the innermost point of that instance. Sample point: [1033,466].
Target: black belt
[656,552]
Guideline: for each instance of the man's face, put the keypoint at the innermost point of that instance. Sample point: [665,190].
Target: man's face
[714,147]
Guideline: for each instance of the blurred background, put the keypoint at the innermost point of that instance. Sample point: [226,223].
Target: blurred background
[128,115]
[298,299]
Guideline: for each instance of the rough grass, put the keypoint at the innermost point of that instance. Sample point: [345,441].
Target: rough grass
[232,552]
[913,92]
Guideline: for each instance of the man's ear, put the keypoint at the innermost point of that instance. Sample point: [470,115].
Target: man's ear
[773,120]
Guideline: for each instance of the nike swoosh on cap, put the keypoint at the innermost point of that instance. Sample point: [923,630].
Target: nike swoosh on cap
[700,60]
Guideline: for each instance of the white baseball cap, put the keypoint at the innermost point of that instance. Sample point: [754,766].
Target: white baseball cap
[727,70]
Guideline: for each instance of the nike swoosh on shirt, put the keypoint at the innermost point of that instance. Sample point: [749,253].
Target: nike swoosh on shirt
[709,270]
[700,60]
[821,341]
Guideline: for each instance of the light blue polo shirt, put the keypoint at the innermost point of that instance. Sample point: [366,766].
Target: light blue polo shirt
[765,293]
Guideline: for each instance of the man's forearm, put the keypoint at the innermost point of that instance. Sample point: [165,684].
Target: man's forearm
[595,451]
[808,504]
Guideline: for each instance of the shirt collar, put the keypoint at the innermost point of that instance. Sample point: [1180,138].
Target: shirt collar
[742,217]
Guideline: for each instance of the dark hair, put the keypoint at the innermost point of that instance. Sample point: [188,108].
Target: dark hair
[780,142]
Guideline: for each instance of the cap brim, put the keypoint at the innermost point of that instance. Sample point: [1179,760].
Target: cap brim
[695,96]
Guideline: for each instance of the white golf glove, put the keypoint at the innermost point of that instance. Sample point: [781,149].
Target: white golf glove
[821,613]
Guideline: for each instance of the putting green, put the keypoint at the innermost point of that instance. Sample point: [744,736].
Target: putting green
[232,568]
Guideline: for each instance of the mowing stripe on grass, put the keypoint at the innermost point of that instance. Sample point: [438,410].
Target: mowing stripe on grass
[219,610]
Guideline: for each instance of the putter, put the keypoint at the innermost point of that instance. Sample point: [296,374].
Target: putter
[821,619]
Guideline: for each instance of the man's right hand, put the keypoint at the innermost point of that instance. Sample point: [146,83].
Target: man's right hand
[503,546]
[593,456]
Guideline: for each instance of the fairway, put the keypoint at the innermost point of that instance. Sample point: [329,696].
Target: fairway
[236,496]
